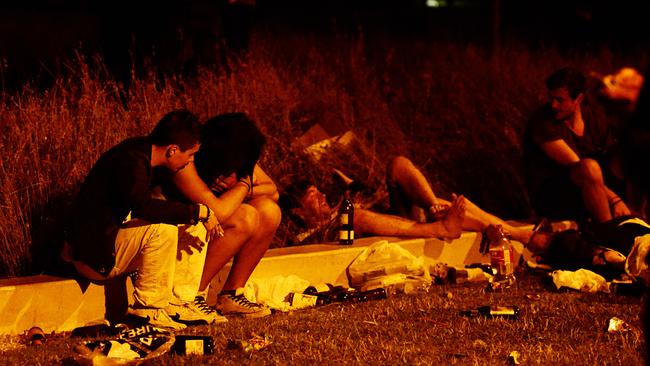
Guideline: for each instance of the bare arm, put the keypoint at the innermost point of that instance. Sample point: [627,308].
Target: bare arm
[263,185]
[560,152]
[189,183]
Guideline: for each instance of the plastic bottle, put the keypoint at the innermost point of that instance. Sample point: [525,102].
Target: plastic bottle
[506,312]
[346,220]
[502,258]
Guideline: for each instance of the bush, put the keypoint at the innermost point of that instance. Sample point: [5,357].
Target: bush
[457,110]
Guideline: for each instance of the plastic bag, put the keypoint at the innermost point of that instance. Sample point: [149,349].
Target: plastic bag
[273,291]
[636,265]
[581,280]
[383,259]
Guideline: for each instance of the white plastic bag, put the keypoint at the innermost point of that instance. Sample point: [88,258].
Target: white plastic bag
[385,259]
[581,280]
[273,291]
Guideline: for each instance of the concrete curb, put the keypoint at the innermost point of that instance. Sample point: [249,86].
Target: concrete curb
[60,304]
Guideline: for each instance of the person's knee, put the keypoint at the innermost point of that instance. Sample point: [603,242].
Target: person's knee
[587,171]
[269,214]
[244,220]
[396,166]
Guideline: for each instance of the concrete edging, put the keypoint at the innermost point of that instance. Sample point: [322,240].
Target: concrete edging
[60,304]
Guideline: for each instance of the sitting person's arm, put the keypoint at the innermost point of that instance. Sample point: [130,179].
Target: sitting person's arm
[560,152]
[195,189]
[263,185]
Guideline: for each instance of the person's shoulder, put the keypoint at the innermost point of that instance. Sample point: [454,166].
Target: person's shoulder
[134,144]
[542,115]
[134,147]
[542,126]
[131,153]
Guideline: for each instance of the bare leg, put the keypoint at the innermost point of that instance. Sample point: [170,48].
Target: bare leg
[380,224]
[238,230]
[414,186]
[588,176]
[476,220]
[254,248]
[414,191]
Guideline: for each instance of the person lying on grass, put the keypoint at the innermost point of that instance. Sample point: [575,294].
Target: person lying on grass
[609,248]
[415,211]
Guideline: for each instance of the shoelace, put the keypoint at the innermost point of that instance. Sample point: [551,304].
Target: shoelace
[200,303]
[243,301]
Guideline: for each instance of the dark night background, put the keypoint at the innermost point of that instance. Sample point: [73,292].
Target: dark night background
[178,35]
[405,82]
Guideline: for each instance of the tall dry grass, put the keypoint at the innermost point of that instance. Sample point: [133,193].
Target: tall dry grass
[457,110]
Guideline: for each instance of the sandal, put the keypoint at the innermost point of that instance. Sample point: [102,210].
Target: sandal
[542,227]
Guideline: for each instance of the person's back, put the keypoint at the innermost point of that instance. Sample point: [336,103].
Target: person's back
[99,208]
[117,226]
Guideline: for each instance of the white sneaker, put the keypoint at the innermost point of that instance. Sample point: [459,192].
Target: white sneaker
[235,303]
[201,305]
[190,314]
[157,318]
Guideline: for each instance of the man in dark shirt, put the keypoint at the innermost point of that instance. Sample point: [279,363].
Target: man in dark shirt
[564,148]
[117,227]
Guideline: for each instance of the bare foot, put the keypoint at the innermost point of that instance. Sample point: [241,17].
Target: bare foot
[453,221]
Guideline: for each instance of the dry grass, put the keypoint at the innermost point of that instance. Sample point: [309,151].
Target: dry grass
[457,110]
[561,328]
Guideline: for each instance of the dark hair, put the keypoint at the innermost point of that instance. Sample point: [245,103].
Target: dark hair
[231,143]
[293,193]
[180,127]
[569,250]
[567,77]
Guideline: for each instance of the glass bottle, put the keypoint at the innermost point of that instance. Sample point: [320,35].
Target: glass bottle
[346,220]
[506,312]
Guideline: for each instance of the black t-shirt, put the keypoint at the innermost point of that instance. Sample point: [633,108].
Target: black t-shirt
[543,128]
[118,185]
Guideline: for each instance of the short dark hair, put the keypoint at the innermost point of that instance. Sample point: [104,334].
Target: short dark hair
[180,127]
[231,143]
[569,250]
[293,193]
[567,77]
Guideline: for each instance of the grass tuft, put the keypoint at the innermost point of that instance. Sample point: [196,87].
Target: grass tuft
[456,109]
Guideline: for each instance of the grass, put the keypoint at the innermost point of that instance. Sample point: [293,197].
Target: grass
[561,328]
[458,110]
